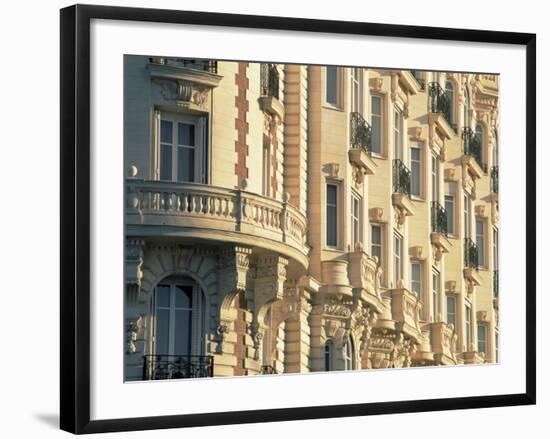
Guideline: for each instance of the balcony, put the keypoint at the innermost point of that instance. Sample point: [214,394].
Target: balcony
[494,179]
[421,82]
[443,338]
[405,309]
[269,91]
[170,367]
[360,143]
[206,65]
[438,103]
[203,212]
[473,147]
[363,272]
[402,189]
[470,254]
[438,236]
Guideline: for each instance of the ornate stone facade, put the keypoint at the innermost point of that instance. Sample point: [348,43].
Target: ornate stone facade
[262,238]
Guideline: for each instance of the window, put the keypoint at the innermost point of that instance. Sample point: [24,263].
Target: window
[397,134]
[450,199]
[376,123]
[449,91]
[451,310]
[495,148]
[480,133]
[355,220]
[357,90]
[468,329]
[436,288]
[178,321]
[266,166]
[332,86]
[376,242]
[482,338]
[328,355]
[182,149]
[435,178]
[397,259]
[480,241]
[349,355]
[416,278]
[416,166]
[467,206]
[495,249]
[332,215]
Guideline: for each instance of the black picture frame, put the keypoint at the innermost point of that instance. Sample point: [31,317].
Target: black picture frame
[75,217]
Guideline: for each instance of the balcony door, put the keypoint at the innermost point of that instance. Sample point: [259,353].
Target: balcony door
[178,327]
[182,151]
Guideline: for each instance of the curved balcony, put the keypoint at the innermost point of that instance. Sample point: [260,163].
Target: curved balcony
[205,212]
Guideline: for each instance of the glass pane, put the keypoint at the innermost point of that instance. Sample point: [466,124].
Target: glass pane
[165,131]
[415,178]
[415,273]
[184,297]
[415,154]
[186,134]
[331,195]
[376,235]
[163,296]
[186,164]
[163,332]
[166,162]
[331,226]
[449,210]
[376,134]
[332,85]
[376,105]
[182,332]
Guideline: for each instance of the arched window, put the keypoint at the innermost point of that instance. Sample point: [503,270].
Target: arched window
[328,355]
[449,91]
[349,355]
[466,110]
[178,318]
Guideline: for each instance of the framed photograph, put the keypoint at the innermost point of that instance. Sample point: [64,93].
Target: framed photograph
[273,218]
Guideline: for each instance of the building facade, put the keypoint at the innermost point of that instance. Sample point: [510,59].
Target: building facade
[292,218]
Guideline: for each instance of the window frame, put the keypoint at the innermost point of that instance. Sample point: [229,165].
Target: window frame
[337,226]
[356,219]
[357,92]
[468,326]
[397,131]
[436,295]
[419,162]
[397,258]
[451,297]
[338,105]
[381,246]
[485,341]
[380,116]
[420,281]
[481,253]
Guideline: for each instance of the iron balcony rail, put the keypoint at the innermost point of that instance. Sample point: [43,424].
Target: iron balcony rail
[360,133]
[494,179]
[438,102]
[206,65]
[421,82]
[401,178]
[439,218]
[495,284]
[471,258]
[473,147]
[269,80]
[168,367]
[267,369]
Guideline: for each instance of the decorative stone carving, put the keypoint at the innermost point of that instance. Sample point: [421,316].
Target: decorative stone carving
[332,169]
[450,174]
[376,84]
[416,252]
[134,267]
[376,214]
[134,331]
[415,133]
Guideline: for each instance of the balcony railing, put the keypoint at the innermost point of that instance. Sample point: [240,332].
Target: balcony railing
[439,218]
[267,369]
[473,147]
[269,80]
[471,257]
[438,102]
[169,367]
[207,65]
[494,179]
[401,178]
[360,133]
[495,284]
[421,81]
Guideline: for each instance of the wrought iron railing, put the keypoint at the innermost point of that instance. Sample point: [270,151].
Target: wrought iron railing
[495,284]
[438,102]
[360,133]
[494,179]
[419,79]
[401,178]
[267,369]
[167,367]
[473,147]
[269,80]
[471,257]
[439,218]
[207,65]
